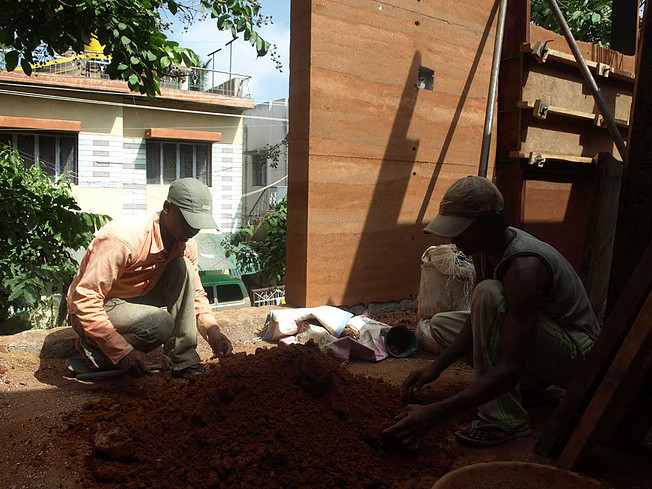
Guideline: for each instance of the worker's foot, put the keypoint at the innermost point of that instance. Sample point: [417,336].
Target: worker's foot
[484,434]
[193,372]
[79,365]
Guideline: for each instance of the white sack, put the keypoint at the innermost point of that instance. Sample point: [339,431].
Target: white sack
[285,322]
[446,281]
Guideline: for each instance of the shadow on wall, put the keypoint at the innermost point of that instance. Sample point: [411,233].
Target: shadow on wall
[456,117]
[378,263]
[388,196]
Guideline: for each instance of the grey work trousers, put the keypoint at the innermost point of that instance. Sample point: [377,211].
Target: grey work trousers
[164,316]
[553,356]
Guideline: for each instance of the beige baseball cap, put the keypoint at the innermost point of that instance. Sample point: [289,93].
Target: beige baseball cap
[465,200]
[194,200]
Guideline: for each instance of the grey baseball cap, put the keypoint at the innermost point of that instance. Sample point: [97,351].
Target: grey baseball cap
[465,200]
[194,200]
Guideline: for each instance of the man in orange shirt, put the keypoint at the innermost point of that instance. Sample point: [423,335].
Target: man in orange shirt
[138,287]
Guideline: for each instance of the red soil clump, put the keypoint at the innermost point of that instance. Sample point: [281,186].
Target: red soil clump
[287,417]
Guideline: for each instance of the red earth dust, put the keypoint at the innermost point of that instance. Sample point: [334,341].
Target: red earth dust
[287,417]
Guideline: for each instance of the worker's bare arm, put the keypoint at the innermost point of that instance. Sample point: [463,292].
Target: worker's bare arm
[462,345]
[525,283]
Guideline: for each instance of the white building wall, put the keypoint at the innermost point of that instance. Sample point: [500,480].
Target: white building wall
[134,176]
[100,160]
[121,164]
[260,134]
[227,185]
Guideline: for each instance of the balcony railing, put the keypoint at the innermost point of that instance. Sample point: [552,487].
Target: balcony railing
[92,64]
[267,198]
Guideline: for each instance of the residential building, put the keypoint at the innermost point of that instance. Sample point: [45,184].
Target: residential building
[265,177]
[121,149]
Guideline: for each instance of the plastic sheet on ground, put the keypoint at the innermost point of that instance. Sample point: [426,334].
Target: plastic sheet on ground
[361,337]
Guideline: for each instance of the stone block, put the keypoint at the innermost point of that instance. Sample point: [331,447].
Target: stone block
[408,304]
[383,307]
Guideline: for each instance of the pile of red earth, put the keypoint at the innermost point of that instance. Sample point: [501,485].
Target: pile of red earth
[287,417]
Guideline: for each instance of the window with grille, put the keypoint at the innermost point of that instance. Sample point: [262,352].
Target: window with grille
[56,152]
[260,170]
[169,160]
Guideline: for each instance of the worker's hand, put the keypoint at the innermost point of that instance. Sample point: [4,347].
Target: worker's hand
[134,363]
[220,344]
[417,379]
[413,423]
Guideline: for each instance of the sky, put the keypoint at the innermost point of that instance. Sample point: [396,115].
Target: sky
[267,82]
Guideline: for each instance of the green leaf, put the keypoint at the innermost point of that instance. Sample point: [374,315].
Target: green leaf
[6,36]
[133,79]
[122,26]
[27,68]
[172,5]
[31,295]
[134,60]
[85,36]
[11,60]
[262,51]
[122,67]
[125,40]
[165,62]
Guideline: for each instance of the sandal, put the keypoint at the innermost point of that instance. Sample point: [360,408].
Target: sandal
[484,434]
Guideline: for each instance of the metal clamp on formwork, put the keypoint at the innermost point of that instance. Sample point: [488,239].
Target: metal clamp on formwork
[540,110]
[540,51]
[598,120]
[536,159]
[603,69]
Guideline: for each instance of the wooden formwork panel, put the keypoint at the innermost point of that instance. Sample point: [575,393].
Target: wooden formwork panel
[564,136]
[554,201]
[557,209]
[590,51]
[563,86]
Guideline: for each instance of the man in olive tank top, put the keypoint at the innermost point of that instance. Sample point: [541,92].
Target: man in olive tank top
[530,321]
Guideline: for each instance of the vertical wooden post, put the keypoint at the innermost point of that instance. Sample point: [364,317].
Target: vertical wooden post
[624,26]
[634,229]
[598,250]
[509,176]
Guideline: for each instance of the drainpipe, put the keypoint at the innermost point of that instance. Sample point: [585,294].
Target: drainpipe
[493,90]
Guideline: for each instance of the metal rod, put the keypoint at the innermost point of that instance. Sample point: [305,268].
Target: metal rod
[213,71]
[588,78]
[230,44]
[493,90]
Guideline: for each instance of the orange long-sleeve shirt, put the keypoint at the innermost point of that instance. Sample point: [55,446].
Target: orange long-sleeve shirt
[126,260]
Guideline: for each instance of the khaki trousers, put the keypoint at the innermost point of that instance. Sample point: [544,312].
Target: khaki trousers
[164,316]
[553,356]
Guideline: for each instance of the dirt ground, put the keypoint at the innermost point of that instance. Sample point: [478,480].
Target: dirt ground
[36,396]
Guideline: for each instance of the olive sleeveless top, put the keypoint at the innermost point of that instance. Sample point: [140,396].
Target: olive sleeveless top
[566,302]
